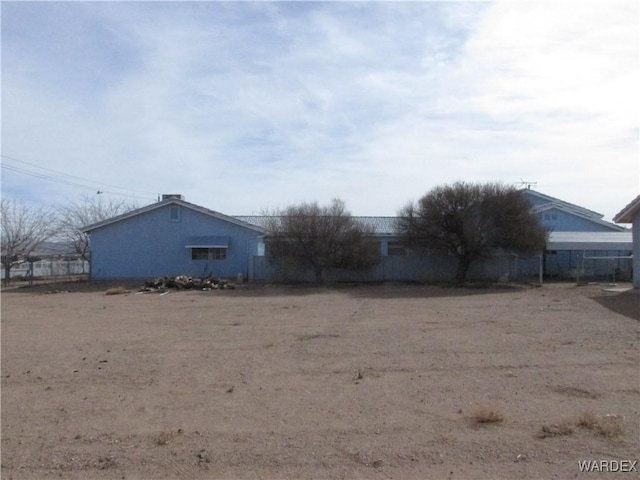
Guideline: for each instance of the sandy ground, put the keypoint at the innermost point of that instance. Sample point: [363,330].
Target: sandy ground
[354,382]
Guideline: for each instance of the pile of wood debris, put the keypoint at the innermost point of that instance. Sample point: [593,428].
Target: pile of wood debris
[184,282]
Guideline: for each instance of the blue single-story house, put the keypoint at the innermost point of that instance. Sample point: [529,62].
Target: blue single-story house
[631,214]
[174,237]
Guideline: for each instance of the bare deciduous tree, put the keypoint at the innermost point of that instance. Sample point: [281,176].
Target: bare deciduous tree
[317,238]
[24,229]
[467,219]
[87,212]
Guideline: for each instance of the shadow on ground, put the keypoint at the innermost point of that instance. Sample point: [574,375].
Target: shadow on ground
[625,303]
[416,290]
[371,290]
[71,286]
[360,290]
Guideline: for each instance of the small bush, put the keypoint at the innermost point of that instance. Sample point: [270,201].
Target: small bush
[565,427]
[487,415]
[588,420]
[117,291]
[166,436]
[607,426]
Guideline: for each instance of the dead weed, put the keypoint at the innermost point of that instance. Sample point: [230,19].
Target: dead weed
[564,427]
[606,426]
[116,291]
[166,436]
[487,415]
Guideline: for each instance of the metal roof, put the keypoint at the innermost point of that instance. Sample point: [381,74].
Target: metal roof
[590,241]
[380,225]
[566,205]
[627,213]
[386,226]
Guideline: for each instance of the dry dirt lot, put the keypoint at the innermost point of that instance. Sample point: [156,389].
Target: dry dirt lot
[370,382]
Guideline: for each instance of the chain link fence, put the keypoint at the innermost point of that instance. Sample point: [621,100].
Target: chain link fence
[59,269]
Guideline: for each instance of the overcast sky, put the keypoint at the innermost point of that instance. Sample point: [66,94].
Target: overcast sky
[244,106]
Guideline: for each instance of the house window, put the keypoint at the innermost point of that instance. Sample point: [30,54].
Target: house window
[396,249]
[174,213]
[208,253]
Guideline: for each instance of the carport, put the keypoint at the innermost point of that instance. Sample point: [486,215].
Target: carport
[588,255]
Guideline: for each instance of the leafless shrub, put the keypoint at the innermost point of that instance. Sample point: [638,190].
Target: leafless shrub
[607,426]
[317,238]
[487,415]
[610,426]
[588,420]
[564,427]
[467,219]
[166,436]
[117,291]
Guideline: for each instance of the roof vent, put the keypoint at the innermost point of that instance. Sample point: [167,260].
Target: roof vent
[172,196]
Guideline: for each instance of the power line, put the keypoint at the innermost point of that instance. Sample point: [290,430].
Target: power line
[67,174]
[13,168]
[72,180]
[65,182]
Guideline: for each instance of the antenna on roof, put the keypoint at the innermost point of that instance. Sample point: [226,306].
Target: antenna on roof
[528,184]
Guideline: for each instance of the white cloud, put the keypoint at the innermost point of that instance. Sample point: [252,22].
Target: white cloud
[243,106]
[566,71]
